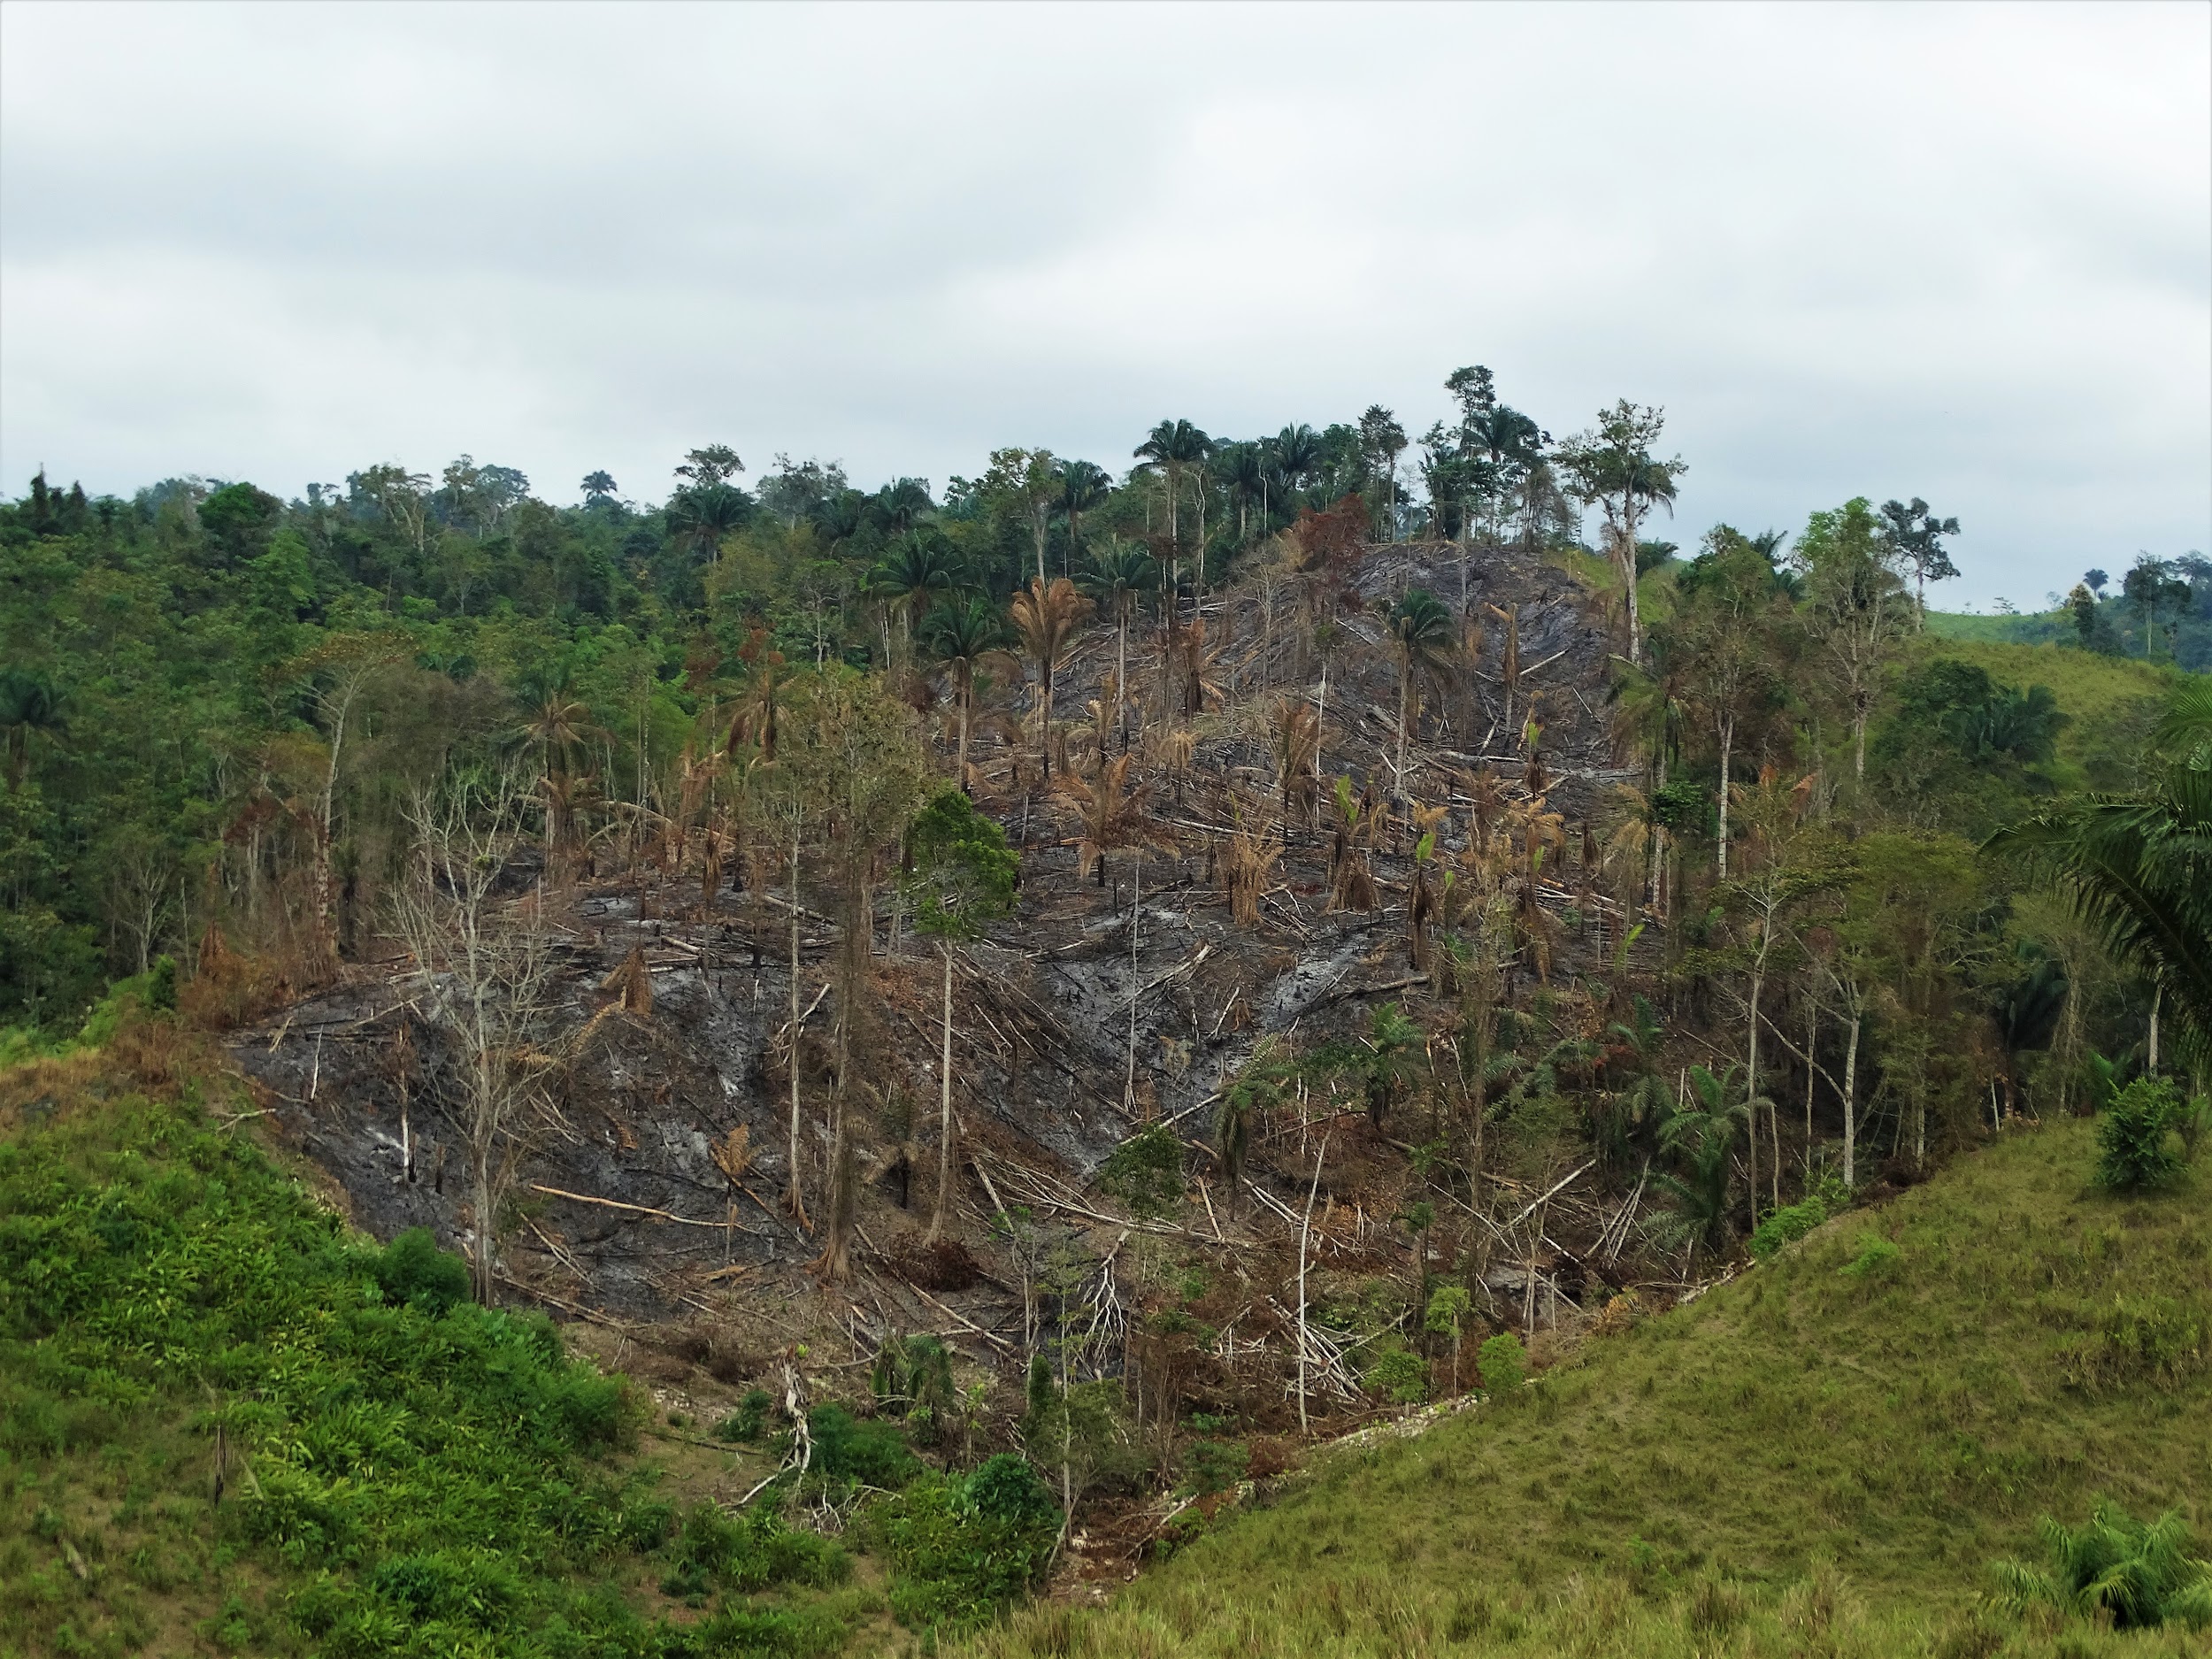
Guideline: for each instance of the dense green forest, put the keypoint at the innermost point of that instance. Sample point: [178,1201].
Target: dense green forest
[1798,891]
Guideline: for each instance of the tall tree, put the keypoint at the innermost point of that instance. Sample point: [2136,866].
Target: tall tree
[961,877]
[1916,539]
[1855,608]
[1612,467]
[1728,628]
[1381,441]
[1120,571]
[964,637]
[1175,449]
[1085,487]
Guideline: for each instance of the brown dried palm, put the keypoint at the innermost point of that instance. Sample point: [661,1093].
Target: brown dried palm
[1112,812]
[1247,861]
[1358,823]
[1047,618]
[1297,742]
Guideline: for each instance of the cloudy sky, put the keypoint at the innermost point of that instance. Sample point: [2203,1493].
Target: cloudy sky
[1962,252]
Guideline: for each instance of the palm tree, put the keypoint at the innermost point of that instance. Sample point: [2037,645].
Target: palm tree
[962,637]
[1422,635]
[1084,488]
[701,518]
[1243,470]
[1119,572]
[29,703]
[561,725]
[1297,452]
[2138,869]
[1047,617]
[1174,448]
[921,567]
[1112,812]
[1703,1137]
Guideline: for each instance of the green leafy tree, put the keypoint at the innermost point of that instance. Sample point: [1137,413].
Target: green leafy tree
[961,877]
[2139,867]
[1855,608]
[1916,535]
[1612,467]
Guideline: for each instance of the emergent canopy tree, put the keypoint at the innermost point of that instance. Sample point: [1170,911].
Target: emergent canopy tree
[1612,467]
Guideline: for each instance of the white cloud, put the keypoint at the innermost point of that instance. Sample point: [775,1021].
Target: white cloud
[1963,251]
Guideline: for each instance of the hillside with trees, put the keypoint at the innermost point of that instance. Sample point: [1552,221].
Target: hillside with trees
[909,1048]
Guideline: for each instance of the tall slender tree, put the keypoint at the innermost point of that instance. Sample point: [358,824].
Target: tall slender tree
[961,877]
[1612,467]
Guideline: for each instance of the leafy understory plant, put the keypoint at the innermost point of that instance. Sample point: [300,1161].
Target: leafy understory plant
[1876,1256]
[2141,1141]
[2140,1576]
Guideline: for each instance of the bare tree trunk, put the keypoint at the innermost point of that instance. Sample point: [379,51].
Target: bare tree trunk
[1305,1230]
[1727,749]
[944,1111]
[794,1197]
[1136,910]
[1850,1100]
[1812,1047]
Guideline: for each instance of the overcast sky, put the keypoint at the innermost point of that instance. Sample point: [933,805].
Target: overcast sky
[1960,252]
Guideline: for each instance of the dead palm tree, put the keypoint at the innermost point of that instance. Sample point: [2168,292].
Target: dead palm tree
[1297,743]
[1047,618]
[1112,812]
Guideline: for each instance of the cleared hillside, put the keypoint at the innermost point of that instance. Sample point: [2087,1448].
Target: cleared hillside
[1823,1455]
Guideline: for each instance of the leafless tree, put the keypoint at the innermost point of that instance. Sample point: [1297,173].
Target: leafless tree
[486,968]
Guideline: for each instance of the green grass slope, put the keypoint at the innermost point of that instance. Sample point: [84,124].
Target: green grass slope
[1823,1457]
[229,1425]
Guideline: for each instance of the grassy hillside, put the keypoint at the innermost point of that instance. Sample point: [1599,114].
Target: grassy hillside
[2111,702]
[229,1425]
[1823,1457]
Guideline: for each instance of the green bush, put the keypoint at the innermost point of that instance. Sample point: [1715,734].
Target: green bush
[748,1551]
[1146,1171]
[2115,1568]
[864,1454]
[2138,1136]
[1217,1466]
[1398,1376]
[1787,1225]
[749,1421]
[1503,1363]
[1876,1256]
[960,1550]
[413,1269]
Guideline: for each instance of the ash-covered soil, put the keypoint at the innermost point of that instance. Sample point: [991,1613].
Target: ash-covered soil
[626,1214]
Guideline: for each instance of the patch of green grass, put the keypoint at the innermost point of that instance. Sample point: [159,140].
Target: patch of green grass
[229,1425]
[2110,702]
[1804,1459]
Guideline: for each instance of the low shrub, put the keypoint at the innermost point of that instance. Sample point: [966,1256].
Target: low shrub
[749,1421]
[861,1453]
[961,1549]
[2115,1568]
[2140,1141]
[1876,1256]
[1787,1225]
[1503,1363]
